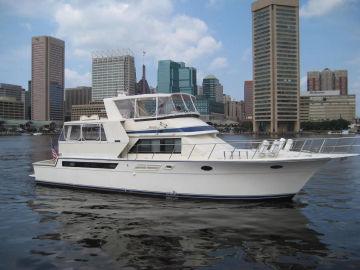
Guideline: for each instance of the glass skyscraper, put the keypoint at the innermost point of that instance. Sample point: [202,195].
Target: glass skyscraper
[175,77]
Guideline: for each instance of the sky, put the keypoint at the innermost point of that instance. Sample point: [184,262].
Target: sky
[213,36]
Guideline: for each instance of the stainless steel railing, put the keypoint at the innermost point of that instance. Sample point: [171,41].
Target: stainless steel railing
[252,149]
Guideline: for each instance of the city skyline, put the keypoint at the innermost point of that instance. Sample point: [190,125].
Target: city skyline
[207,39]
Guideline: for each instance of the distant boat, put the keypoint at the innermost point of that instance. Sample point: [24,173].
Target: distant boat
[37,133]
[339,132]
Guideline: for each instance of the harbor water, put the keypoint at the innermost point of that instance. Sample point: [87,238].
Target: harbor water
[52,228]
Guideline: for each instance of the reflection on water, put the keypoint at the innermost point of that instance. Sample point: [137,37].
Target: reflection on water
[139,232]
[49,228]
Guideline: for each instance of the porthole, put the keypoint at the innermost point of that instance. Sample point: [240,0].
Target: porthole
[276,167]
[206,168]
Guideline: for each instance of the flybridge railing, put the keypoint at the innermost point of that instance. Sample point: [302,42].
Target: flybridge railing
[254,149]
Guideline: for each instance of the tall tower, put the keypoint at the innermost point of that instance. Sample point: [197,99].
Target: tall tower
[47,78]
[113,72]
[248,98]
[276,65]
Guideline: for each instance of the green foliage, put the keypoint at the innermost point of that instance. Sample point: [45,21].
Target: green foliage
[338,124]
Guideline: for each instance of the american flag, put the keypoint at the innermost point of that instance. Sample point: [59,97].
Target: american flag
[54,153]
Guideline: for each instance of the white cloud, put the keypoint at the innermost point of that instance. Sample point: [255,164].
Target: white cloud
[218,63]
[74,79]
[317,8]
[139,25]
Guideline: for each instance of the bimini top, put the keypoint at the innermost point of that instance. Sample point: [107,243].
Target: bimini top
[150,106]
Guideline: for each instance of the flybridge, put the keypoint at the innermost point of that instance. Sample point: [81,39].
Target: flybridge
[151,106]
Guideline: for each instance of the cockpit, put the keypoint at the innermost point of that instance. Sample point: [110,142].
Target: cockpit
[156,106]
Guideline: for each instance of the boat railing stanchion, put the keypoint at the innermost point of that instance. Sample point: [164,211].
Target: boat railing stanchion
[172,152]
[212,151]
[322,145]
[191,151]
[302,147]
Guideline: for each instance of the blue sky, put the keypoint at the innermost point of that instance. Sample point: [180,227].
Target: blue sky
[212,35]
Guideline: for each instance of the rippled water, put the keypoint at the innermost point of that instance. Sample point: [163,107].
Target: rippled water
[50,228]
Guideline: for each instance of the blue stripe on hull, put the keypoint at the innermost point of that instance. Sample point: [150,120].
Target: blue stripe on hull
[172,130]
[169,195]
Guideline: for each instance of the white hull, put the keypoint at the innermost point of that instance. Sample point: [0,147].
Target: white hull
[227,179]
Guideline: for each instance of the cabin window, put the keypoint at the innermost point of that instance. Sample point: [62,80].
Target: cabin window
[126,107]
[91,132]
[97,165]
[73,132]
[102,134]
[164,146]
[146,107]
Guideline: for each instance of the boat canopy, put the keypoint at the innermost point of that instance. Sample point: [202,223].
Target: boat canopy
[155,105]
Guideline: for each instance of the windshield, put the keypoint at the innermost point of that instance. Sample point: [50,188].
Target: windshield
[151,107]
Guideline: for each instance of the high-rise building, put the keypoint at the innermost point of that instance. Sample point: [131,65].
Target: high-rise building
[47,78]
[12,100]
[341,81]
[27,106]
[235,110]
[276,65]
[113,72]
[327,80]
[212,89]
[313,81]
[93,108]
[248,99]
[175,77]
[142,87]
[76,96]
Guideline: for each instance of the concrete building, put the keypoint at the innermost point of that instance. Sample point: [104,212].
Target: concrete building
[93,108]
[328,80]
[142,87]
[47,78]
[175,77]
[327,105]
[276,65]
[234,110]
[248,99]
[113,72]
[313,81]
[212,89]
[12,99]
[76,96]
[10,108]
[27,105]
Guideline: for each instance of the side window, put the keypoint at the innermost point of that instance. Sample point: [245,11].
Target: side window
[91,132]
[165,146]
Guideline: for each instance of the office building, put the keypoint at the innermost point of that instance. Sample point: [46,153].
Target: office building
[327,105]
[113,73]
[313,81]
[276,65]
[12,100]
[93,108]
[209,109]
[248,99]
[175,77]
[47,78]
[234,110]
[27,105]
[76,96]
[212,89]
[142,87]
[328,80]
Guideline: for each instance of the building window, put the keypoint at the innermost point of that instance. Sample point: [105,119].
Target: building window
[164,146]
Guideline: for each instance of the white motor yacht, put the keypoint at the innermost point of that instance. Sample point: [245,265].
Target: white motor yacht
[156,144]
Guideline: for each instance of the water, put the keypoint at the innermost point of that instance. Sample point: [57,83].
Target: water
[50,228]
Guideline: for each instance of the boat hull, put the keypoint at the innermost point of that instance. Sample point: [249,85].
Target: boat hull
[187,179]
